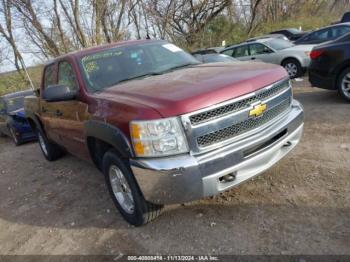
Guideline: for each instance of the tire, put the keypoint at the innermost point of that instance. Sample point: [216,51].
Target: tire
[343,84]
[125,191]
[15,139]
[2,134]
[293,67]
[50,150]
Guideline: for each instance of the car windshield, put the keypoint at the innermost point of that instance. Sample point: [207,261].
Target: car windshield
[278,44]
[295,31]
[217,58]
[109,67]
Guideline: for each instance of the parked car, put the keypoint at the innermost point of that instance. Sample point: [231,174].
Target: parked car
[162,127]
[279,36]
[345,18]
[330,66]
[291,33]
[214,58]
[295,59]
[211,50]
[13,121]
[324,34]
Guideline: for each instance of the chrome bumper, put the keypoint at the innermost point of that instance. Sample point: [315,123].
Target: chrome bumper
[184,178]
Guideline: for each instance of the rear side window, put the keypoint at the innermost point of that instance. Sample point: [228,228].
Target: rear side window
[339,31]
[66,76]
[49,76]
[241,51]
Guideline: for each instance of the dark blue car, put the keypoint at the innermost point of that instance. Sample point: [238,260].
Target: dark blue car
[13,121]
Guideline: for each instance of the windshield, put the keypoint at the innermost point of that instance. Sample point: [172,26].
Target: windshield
[278,44]
[294,31]
[110,67]
[217,58]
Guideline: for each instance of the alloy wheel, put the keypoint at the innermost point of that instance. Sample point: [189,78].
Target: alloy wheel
[13,134]
[292,69]
[121,189]
[345,85]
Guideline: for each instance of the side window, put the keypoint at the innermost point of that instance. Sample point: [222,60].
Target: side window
[49,75]
[320,35]
[66,75]
[241,51]
[259,49]
[228,52]
[339,31]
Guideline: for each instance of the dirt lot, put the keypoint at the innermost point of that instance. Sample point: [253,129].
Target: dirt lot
[300,206]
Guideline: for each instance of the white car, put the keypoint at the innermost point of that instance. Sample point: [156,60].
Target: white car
[295,59]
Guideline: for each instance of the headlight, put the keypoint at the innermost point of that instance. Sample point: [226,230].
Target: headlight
[157,138]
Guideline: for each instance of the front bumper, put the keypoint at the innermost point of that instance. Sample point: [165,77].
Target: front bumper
[184,178]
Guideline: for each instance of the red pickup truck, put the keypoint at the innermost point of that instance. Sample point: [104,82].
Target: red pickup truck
[162,127]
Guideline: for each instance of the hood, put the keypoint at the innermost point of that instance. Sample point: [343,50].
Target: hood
[190,89]
[19,113]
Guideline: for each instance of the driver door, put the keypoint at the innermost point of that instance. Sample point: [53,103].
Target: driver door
[258,51]
[65,119]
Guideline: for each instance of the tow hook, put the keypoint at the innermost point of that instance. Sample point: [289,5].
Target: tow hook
[227,178]
[287,144]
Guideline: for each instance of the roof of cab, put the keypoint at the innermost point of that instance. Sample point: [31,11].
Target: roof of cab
[91,50]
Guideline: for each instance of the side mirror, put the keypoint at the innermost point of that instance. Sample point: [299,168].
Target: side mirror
[55,93]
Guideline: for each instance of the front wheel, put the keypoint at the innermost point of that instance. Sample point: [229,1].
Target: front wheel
[293,68]
[125,192]
[344,84]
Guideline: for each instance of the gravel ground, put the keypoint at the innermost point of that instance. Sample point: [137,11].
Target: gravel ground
[300,206]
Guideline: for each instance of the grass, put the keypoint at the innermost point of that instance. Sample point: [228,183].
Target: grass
[12,81]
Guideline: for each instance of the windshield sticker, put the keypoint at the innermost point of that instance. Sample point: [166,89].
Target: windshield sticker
[172,48]
[101,55]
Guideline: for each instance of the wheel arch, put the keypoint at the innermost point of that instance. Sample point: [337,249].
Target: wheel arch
[339,70]
[290,58]
[101,137]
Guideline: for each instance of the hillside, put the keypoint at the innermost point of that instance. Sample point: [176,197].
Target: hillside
[12,81]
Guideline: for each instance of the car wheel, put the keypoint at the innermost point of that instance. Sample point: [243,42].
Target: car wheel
[50,150]
[344,84]
[14,137]
[293,68]
[125,192]
[2,134]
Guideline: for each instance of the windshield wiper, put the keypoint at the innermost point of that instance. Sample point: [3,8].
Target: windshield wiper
[178,67]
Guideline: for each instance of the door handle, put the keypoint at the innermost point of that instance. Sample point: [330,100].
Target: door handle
[253,58]
[59,113]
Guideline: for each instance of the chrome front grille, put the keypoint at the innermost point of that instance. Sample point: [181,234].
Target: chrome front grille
[239,105]
[241,127]
[230,121]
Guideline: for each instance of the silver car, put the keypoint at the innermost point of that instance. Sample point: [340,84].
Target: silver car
[295,59]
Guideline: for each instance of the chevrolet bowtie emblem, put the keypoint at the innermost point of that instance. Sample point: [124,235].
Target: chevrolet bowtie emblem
[258,110]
